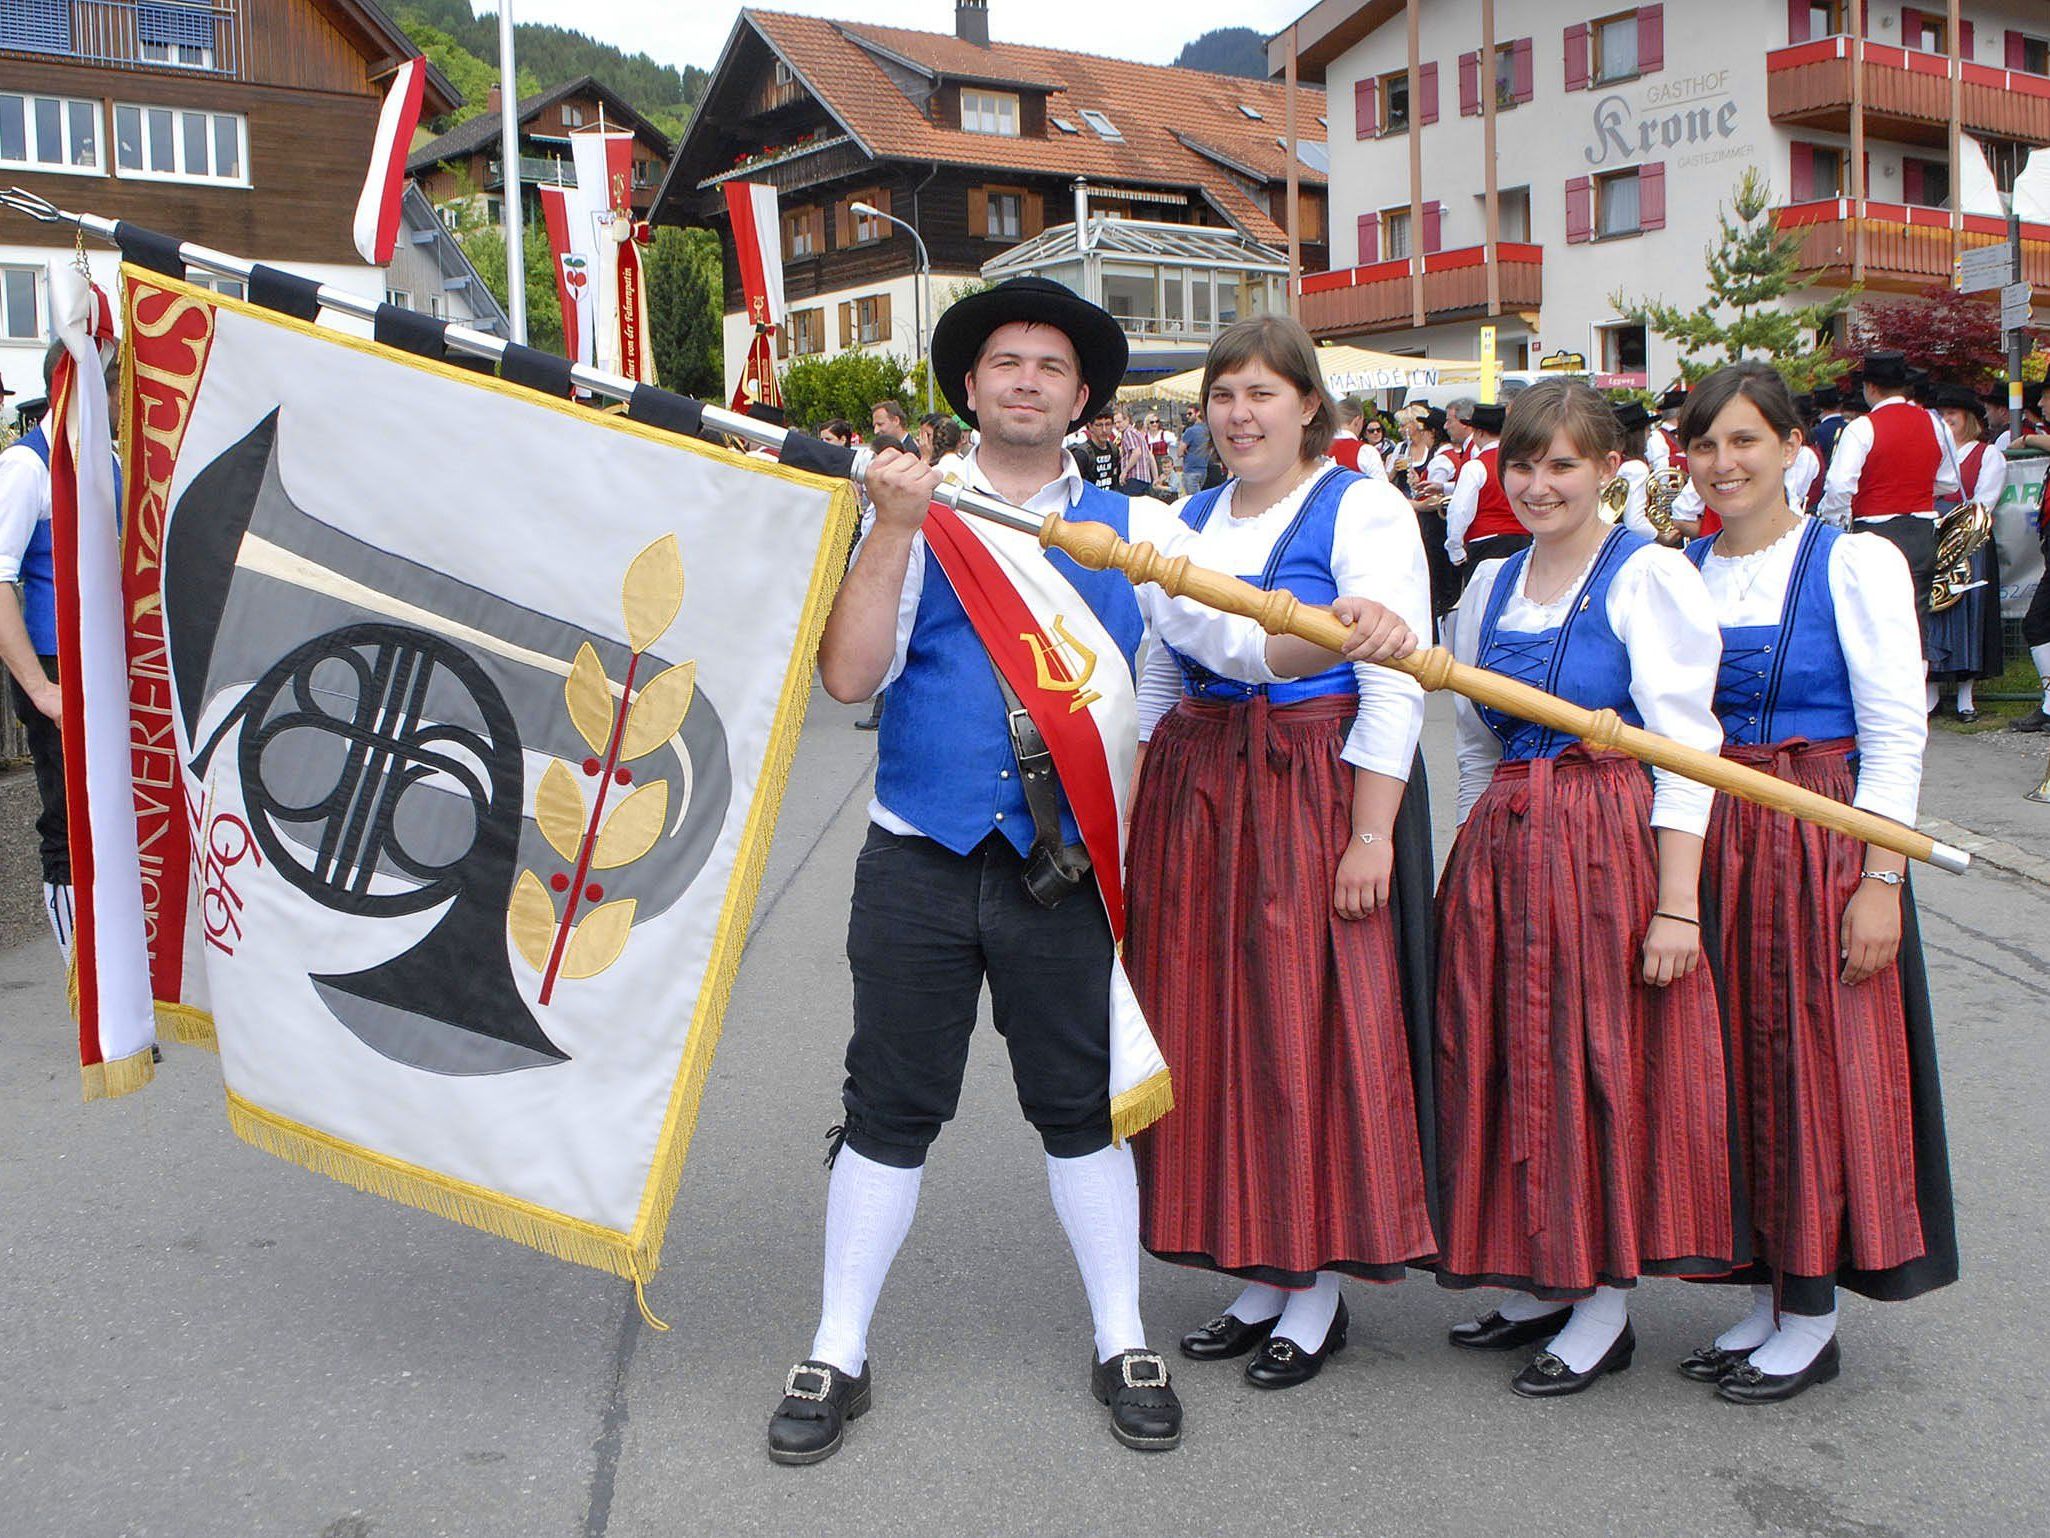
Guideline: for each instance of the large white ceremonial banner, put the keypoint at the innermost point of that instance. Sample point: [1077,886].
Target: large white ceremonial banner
[478,707]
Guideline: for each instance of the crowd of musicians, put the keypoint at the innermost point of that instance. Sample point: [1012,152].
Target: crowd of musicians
[1636,1030]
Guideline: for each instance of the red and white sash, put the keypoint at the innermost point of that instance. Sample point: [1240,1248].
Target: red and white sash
[1070,674]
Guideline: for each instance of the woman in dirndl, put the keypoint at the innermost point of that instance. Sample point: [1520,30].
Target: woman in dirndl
[1833,1061]
[1583,1116]
[1965,643]
[1279,888]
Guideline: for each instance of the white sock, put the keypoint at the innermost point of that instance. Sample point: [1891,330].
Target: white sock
[1307,1318]
[868,1213]
[1258,1303]
[1595,1324]
[1964,695]
[1797,1342]
[1931,697]
[57,908]
[1754,1328]
[1097,1198]
[1519,1306]
[2040,655]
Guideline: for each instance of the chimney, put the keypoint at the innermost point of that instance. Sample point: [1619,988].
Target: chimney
[493,100]
[971,21]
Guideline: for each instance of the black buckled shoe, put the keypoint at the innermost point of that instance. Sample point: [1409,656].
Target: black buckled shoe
[2037,720]
[1282,1363]
[818,1402]
[1226,1336]
[1548,1376]
[1745,1384]
[1711,1362]
[1144,1412]
[1491,1332]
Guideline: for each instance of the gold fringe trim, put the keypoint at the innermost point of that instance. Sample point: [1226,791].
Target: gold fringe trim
[188,1025]
[123,1076]
[553,1233]
[1141,1106]
[651,1223]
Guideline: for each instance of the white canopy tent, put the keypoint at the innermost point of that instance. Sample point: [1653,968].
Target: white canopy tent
[1347,371]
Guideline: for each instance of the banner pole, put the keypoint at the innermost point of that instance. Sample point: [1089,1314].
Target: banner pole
[509,158]
[1279,612]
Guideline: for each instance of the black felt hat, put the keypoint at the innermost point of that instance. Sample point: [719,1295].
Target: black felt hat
[1826,396]
[1673,399]
[1488,416]
[1887,368]
[1631,415]
[1956,397]
[1100,345]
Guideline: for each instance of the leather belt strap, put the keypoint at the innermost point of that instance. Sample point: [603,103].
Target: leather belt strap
[1041,784]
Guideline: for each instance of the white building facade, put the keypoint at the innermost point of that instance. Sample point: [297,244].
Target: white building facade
[1620,136]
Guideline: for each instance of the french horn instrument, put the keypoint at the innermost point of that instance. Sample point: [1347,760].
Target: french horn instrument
[1959,534]
[1660,492]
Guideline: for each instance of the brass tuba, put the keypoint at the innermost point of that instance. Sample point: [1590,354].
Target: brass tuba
[1959,534]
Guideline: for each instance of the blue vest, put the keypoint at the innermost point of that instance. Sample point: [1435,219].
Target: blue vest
[1790,679]
[38,577]
[1581,659]
[1301,564]
[945,763]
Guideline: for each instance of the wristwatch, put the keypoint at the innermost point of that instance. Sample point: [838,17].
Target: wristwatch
[1890,877]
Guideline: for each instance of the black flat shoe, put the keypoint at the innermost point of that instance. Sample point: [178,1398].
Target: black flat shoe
[1710,1363]
[2036,720]
[818,1402]
[1548,1376]
[1968,716]
[1745,1384]
[1491,1332]
[1225,1336]
[1144,1412]
[1281,1363]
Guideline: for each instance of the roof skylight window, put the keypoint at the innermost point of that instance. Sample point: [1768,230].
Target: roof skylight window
[1105,128]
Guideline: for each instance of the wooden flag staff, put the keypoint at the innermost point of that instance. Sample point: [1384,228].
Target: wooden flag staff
[1098,547]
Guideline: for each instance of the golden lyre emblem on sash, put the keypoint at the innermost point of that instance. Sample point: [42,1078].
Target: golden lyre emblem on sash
[1063,664]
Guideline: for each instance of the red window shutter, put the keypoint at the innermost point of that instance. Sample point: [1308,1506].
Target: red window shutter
[1366,118]
[1579,210]
[1651,196]
[1911,26]
[1470,82]
[1968,45]
[1370,240]
[1801,171]
[1520,71]
[1427,89]
[1434,226]
[1911,181]
[1576,56]
[2017,54]
[1797,21]
[1651,38]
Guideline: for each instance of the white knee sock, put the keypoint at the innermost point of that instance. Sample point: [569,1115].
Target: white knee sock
[1797,1342]
[1964,695]
[1931,698]
[1307,1318]
[868,1213]
[1595,1324]
[2040,655]
[57,908]
[1258,1303]
[1519,1306]
[1097,1198]
[1754,1328]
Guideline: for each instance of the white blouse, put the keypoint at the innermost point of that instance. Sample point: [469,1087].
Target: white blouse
[1882,641]
[1375,553]
[1660,611]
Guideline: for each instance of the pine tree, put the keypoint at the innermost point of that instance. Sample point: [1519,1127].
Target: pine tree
[1751,269]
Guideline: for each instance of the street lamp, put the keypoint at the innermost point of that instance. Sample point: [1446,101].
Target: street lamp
[869,210]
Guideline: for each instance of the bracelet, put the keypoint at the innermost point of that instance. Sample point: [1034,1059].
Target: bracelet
[1889,877]
[1678,918]
[1371,839]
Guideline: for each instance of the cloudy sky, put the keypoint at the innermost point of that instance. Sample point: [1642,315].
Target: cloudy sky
[692,32]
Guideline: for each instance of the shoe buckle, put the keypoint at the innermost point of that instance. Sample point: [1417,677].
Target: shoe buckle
[1153,1376]
[1282,1351]
[793,1382]
[1548,1364]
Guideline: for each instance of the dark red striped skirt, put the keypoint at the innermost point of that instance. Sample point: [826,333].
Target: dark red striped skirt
[1583,1122]
[1294,1143]
[1838,1111]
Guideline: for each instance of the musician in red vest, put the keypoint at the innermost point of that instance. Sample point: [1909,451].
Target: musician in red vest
[1890,468]
[1662,448]
[1479,523]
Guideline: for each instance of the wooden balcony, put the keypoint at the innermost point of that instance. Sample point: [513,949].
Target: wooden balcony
[1906,248]
[1357,300]
[1907,94]
[193,36]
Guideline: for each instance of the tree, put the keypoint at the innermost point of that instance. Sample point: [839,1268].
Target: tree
[686,293]
[1751,269]
[816,390]
[484,245]
[1956,337]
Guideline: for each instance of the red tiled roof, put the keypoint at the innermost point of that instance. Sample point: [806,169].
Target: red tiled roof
[1147,103]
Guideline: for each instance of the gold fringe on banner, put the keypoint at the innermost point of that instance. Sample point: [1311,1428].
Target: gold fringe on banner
[123,1076]
[186,1024]
[1141,1106]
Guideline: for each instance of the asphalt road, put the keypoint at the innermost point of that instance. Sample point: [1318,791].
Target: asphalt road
[197,1340]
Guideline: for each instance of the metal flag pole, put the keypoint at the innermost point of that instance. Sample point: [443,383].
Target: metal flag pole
[509,158]
[1098,547]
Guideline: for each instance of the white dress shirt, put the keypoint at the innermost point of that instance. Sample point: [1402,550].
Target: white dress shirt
[1636,474]
[1376,553]
[1854,443]
[1881,640]
[24,502]
[1465,503]
[1992,477]
[1661,612]
[1657,453]
[1230,644]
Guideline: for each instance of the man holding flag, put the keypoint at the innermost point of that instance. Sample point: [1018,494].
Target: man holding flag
[995,849]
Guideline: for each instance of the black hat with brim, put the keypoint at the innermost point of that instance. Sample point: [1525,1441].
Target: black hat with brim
[1100,345]
[1631,414]
[1956,397]
[1887,369]
[1673,399]
[1826,396]
[1488,417]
